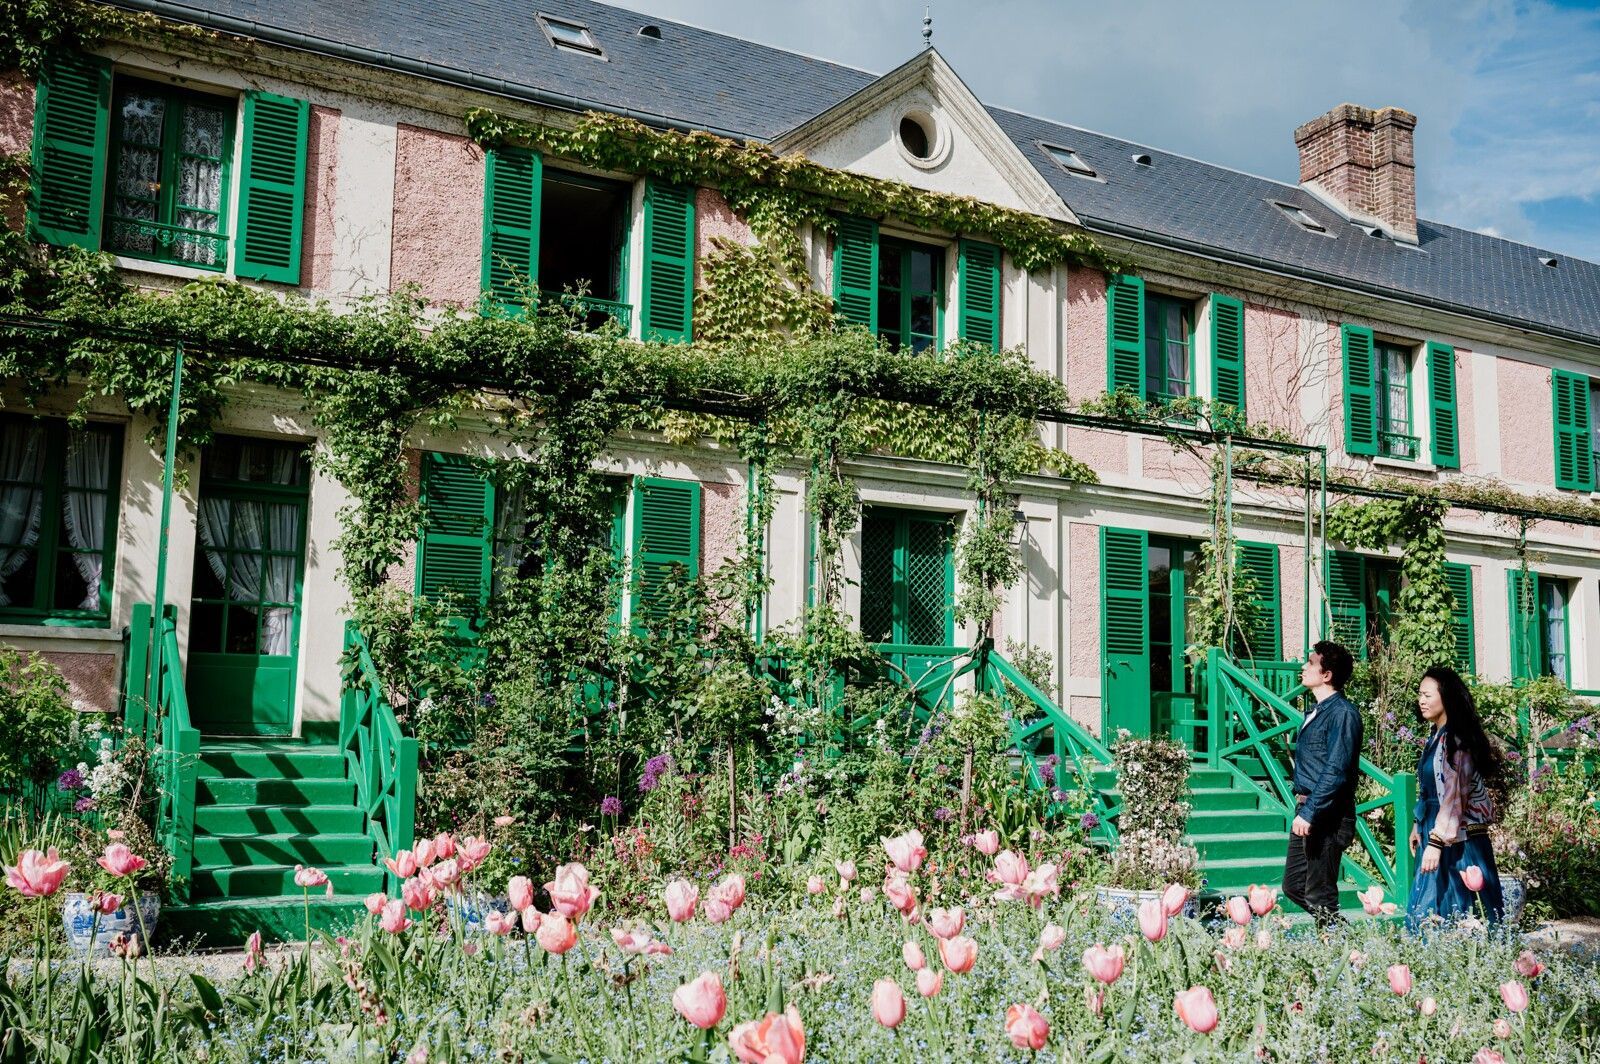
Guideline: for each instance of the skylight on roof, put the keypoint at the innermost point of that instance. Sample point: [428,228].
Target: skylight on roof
[573,36]
[1299,217]
[1069,160]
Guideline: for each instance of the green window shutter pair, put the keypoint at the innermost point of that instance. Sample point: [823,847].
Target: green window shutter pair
[1264,636]
[455,550]
[855,272]
[1360,400]
[1443,420]
[666,533]
[72,122]
[1347,601]
[1125,335]
[1570,400]
[512,181]
[1458,578]
[980,293]
[907,578]
[1227,353]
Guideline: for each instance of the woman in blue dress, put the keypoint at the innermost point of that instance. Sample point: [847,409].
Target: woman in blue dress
[1450,838]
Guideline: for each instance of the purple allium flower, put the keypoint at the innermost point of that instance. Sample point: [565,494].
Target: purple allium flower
[69,780]
[82,804]
[654,769]
[486,699]
[1058,795]
[943,813]
[1088,822]
[611,805]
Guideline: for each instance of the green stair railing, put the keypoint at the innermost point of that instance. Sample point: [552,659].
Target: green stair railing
[156,707]
[379,757]
[1248,718]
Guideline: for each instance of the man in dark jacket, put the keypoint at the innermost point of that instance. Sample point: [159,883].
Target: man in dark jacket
[1326,768]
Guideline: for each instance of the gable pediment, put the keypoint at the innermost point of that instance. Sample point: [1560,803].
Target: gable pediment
[951,144]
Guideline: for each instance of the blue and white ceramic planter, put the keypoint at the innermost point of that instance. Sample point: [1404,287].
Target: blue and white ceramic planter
[475,908]
[1515,894]
[80,920]
[1124,904]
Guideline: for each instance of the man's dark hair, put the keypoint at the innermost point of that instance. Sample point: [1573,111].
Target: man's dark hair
[1335,660]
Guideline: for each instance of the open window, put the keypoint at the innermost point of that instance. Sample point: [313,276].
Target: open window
[583,241]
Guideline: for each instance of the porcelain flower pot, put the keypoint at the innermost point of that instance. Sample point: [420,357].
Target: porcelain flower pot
[80,921]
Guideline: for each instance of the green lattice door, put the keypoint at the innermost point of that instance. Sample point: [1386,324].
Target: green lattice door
[249,564]
[908,589]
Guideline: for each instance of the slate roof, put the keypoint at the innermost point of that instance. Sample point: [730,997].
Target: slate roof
[714,81]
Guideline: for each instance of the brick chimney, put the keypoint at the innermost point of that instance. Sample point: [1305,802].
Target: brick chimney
[1362,159]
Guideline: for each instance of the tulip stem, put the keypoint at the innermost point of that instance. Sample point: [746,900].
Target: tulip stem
[49,983]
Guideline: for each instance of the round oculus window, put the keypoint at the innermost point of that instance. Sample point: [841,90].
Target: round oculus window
[916,137]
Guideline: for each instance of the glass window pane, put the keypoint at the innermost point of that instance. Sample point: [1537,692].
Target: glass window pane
[922,279]
[207,584]
[203,129]
[19,572]
[205,628]
[77,584]
[922,315]
[280,580]
[888,265]
[242,637]
[143,116]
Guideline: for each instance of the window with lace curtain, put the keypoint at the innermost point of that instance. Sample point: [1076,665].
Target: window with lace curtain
[58,520]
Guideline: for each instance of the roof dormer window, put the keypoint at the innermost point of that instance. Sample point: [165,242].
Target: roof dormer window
[1069,160]
[1300,217]
[572,36]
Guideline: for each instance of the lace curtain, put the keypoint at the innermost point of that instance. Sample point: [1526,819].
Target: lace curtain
[21,505]
[88,467]
[235,535]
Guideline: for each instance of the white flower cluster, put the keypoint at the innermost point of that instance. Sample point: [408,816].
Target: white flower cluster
[108,778]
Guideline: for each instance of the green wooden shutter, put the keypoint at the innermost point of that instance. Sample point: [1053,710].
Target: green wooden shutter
[666,532]
[1360,401]
[928,568]
[855,271]
[1458,578]
[272,190]
[980,293]
[71,131]
[1570,400]
[877,576]
[1347,601]
[1264,635]
[512,181]
[454,552]
[1125,629]
[1125,335]
[1523,611]
[1227,353]
[1443,421]
[667,313]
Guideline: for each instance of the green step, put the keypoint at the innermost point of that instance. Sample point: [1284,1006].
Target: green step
[240,762]
[278,819]
[1210,778]
[221,923]
[220,791]
[1225,845]
[318,849]
[1238,821]
[1220,798]
[268,880]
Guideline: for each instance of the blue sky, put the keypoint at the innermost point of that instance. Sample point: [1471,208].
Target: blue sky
[1506,92]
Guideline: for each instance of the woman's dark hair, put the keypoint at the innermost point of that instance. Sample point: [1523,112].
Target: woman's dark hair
[1463,727]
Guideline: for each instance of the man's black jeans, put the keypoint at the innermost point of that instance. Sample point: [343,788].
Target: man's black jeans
[1311,871]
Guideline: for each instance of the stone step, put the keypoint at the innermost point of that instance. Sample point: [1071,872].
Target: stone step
[218,790]
[278,819]
[277,880]
[278,849]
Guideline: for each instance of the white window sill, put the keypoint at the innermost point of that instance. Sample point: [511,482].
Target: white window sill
[63,633]
[168,269]
[1385,462]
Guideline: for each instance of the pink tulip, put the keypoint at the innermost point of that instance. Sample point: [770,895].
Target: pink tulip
[1233,937]
[473,852]
[376,901]
[106,903]
[519,891]
[1472,878]
[1026,1028]
[634,942]
[1357,959]
[394,919]
[1371,899]
[444,846]
[1094,998]
[1527,965]
[1051,938]
[866,895]
[1428,1006]
[682,898]
[116,833]
[570,892]
[1197,1008]
[531,918]
[906,851]
[929,982]
[717,909]
[1010,868]
[815,885]
[445,875]
[947,923]
[731,890]
[838,909]
[900,894]
[1040,884]
[1502,1028]
[701,1001]
[306,878]
[1238,909]
[418,895]
[121,861]
[402,864]
[556,933]
[499,923]
[1174,898]
[1263,939]
[846,870]
[504,821]
[888,1003]
[253,954]
[959,954]
[1515,995]
[776,1039]
[424,853]
[1224,961]
[912,954]
[987,842]
[1489,1056]
[1262,900]
[1104,964]
[1400,979]
[1153,920]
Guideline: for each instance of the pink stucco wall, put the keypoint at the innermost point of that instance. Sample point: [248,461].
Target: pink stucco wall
[1086,332]
[16,132]
[1185,468]
[1083,543]
[91,678]
[1272,368]
[721,524]
[714,220]
[1292,599]
[1466,413]
[1526,450]
[1105,452]
[1086,711]
[322,169]
[438,215]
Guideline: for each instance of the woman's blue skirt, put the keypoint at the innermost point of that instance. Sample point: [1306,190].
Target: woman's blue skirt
[1441,892]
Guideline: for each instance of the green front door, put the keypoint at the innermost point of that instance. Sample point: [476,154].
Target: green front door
[249,563]
[1147,590]
[1174,572]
